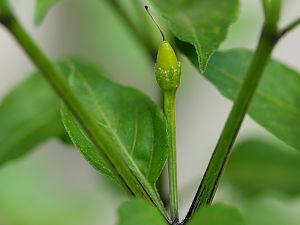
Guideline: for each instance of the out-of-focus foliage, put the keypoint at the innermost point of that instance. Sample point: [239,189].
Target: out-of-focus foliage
[60,192]
[136,212]
[217,214]
[29,115]
[270,209]
[258,166]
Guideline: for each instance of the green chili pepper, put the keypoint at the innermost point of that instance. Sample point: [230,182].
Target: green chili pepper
[167,68]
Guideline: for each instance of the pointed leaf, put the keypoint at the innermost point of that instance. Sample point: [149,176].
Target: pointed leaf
[128,117]
[41,10]
[202,23]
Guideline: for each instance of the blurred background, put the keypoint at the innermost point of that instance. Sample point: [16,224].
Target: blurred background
[55,185]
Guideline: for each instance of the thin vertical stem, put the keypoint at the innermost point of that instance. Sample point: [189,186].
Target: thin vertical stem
[266,5]
[272,17]
[170,112]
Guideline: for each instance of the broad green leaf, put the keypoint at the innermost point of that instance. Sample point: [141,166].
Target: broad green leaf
[39,190]
[41,9]
[218,214]
[128,117]
[257,166]
[202,23]
[29,115]
[276,103]
[137,212]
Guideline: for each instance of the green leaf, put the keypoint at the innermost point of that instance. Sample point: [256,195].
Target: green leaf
[128,117]
[41,9]
[270,209]
[218,214]
[257,166]
[202,23]
[276,104]
[137,212]
[29,115]
[82,142]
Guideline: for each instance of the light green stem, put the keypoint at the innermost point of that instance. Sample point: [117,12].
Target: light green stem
[266,5]
[170,112]
[289,27]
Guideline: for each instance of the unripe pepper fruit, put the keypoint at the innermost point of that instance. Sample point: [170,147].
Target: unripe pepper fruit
[167,67]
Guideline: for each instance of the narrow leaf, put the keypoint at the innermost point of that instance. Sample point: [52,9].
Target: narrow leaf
[257,166]
[218,214]
[41,10]
[130,119]
[202,23]
[29,115]
[137,212]
[276,104]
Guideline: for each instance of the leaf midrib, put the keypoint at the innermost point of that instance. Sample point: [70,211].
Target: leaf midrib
[116,136]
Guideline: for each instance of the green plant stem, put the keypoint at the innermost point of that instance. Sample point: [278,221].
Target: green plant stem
[266,5]
[209,184]
[289,27]
[170,112]
[133,183]
[272,17]
[218,161]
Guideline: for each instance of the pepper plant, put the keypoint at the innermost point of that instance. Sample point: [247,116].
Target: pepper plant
[129,138]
